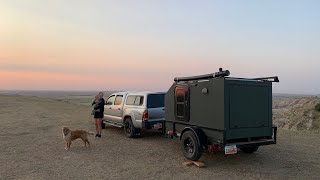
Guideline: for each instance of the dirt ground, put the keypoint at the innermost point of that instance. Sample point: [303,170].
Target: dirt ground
[32,148]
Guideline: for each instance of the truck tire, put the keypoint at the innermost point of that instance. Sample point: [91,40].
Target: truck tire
[190,146]
[249,149]
[129,129]
[103,125]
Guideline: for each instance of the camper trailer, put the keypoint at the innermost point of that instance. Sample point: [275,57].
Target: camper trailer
[218,112]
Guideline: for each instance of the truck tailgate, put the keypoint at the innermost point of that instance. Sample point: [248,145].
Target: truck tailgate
[156,114]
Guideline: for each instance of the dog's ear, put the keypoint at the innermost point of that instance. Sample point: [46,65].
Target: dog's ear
[65,129]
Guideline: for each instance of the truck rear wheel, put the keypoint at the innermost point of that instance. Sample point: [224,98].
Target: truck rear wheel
[249,149]
[129,129]
[190,146]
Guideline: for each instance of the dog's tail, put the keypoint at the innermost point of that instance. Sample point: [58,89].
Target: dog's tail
[90,133]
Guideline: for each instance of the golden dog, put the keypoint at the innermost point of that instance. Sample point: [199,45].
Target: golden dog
[69,136]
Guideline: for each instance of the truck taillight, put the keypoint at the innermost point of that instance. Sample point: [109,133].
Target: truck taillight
[145,115]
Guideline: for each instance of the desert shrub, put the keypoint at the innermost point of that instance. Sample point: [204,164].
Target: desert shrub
[317,107]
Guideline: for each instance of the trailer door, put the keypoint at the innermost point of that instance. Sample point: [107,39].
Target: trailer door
[250,105]
[182,103]
[249,108]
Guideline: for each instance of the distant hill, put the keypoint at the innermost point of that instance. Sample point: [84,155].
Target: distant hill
[294,95]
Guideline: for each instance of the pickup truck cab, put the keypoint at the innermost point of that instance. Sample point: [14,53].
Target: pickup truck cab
[135,111]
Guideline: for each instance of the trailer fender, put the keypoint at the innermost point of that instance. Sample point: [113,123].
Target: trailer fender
[200,135]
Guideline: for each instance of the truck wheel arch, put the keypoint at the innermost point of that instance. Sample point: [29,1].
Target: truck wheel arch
[125,117]
[200,135]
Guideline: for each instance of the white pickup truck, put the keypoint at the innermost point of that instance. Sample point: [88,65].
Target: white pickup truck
[135,111]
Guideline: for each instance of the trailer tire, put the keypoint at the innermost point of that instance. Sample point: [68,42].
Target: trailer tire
[190,146]
[129,129]
[249,149]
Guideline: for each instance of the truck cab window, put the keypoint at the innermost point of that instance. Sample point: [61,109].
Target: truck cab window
[138,101]
[130,100]
[110,100]
[118,100]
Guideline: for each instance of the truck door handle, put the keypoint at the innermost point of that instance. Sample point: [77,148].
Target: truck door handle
[119,109]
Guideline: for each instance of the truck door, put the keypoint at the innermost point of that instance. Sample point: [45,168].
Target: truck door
[117,108]
[182,109]
[108,108]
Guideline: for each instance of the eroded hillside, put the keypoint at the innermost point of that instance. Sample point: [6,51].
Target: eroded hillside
[296,113]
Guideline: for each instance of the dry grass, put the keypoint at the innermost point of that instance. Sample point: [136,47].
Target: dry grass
[32,148]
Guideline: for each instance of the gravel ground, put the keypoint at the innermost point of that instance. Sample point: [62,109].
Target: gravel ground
[32,148]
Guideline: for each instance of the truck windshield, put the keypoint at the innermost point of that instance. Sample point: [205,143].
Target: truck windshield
[155,100]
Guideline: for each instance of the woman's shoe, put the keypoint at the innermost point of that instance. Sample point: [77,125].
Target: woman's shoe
[97,135]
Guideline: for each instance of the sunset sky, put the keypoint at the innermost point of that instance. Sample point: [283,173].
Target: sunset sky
[144,44]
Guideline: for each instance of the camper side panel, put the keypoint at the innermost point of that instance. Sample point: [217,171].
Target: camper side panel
[207,104]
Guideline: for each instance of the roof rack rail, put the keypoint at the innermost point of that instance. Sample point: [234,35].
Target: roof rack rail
[271,79]
[221,73]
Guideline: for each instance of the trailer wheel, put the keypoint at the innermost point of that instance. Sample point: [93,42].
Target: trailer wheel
[129,129]
[190,146]
[249,149]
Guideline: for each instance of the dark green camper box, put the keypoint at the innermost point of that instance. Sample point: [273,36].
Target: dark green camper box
[219,112]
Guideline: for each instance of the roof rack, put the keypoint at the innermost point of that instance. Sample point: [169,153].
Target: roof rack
[271,79]
[221,73]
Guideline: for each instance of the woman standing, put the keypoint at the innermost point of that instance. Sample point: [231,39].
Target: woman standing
[98,104]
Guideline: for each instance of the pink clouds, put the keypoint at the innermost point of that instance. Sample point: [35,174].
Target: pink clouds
[31,80]
[47,81]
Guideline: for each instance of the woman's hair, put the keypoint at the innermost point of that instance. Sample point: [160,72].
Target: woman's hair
[100,94]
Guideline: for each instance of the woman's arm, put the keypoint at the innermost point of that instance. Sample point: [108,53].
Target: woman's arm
[100,105]
[97,106]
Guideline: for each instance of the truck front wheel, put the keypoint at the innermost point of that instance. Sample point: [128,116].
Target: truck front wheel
[103,125]
[249,149]
[190,146]
[129,129]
